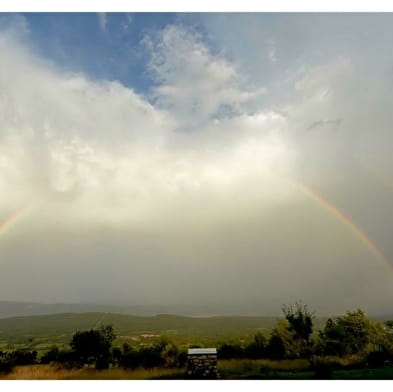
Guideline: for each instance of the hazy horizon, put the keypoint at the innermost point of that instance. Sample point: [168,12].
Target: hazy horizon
[202,159]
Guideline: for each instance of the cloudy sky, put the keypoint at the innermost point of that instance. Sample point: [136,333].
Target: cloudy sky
[197,159]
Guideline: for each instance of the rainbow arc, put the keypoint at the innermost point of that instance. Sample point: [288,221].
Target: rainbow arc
[359,233]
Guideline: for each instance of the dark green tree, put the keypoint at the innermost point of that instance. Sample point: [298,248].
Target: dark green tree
[93,346]
[281,342]
[275,348]
[257,348]
[300,321]
[349,334]
[357,330]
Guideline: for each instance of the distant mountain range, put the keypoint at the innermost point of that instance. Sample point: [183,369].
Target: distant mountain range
[15,309]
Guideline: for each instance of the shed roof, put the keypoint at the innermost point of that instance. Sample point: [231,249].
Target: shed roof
[194,351]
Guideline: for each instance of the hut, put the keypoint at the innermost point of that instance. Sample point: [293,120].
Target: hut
[202,363]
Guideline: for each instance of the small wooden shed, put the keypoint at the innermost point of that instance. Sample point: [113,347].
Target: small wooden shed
[202,363]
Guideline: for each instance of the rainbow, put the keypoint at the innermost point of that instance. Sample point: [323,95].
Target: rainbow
[349,223]
[11,220]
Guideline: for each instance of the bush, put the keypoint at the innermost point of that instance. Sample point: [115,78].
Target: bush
[116,356]
[16,358]
[128,358]
[102,363]
[6,365]
[67,359]
[23,357]
[169,354]
[150,357]
[275,348]
[50,356]
[257,348]
[376,358]
[182,359]
[163,353]
[230,351]
[93,346]
[323,369]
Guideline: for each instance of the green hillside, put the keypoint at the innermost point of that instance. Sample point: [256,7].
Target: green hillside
[41,332]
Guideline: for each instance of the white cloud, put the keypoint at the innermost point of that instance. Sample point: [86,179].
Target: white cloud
[106,169]
[111,151]
[127,23]
[14,25]
[192,82]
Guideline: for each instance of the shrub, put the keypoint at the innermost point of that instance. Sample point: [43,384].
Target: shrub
[128,357]
[376,358]
[50,356]
[67,359]
[323,369]
[276,348]
[257,348]
[149,357]
[93,346]
[102,363]
[6,365]
[182,359]
[230,351]
[169,354]
[23,357]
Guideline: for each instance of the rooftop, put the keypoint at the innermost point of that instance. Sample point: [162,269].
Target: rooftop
[202,351]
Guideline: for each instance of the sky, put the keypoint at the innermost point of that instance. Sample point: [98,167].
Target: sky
[197,158]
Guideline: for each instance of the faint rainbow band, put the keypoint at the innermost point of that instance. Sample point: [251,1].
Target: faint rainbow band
[12,219]
[325,203]
[348,223]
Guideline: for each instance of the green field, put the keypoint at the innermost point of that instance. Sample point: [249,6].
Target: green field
[41,332]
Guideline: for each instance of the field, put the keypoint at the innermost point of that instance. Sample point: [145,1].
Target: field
[231,369]
[48,372]
[41,332]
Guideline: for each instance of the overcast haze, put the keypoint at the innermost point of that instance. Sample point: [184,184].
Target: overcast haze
[191,158]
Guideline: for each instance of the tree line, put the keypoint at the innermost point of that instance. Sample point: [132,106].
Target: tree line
[94,348]
[293,337]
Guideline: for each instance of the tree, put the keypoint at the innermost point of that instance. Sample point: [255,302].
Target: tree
[300,321]
[349,334]
[281,343]
[389,324]
[93,346]
[357,330]
[331,339]
[257,348]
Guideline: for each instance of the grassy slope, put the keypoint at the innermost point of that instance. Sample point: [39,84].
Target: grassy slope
[69,322]
[40,332]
